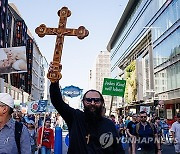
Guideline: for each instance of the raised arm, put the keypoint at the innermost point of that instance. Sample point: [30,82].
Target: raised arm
[63,109]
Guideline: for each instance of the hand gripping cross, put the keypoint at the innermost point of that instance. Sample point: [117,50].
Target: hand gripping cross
[61,31]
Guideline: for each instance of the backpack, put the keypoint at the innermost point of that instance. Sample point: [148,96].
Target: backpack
[138,125]
[17,133]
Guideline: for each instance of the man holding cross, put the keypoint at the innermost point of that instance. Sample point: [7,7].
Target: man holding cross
[89,131]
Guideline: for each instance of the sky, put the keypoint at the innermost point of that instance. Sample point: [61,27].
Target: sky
[99,17]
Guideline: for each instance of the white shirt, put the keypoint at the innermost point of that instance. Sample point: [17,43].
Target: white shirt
[176,129]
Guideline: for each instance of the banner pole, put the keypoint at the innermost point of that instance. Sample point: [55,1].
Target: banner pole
[111,106]
[43,128]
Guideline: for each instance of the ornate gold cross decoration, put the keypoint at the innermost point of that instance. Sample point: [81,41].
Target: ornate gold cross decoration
[61,31]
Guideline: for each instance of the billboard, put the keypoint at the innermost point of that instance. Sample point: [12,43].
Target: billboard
[131,83]
[13,60]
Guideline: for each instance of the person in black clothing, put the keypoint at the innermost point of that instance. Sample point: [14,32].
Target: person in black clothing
[147,137]
[112,117]
[89,131]
[131,131]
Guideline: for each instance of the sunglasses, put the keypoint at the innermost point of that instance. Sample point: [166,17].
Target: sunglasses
[96,100]
[143,116]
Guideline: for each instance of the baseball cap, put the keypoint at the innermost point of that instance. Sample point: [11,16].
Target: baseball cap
[31,122]
[7,99]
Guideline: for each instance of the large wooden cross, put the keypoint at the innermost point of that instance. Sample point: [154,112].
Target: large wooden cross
[61,31]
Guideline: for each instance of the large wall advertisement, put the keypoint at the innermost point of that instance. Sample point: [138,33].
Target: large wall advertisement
[13,60]
[131,83]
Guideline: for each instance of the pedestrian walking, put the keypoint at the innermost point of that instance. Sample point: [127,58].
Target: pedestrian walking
[120,126]
[121,129]
[17,116]
[152,119]
[175,129]
[46,138]
[138,120]
[165,127]
[89,131]
[146,135]
[131,131]
[33,135]
[159,130]
[112,117]
[127,120]
[14,136]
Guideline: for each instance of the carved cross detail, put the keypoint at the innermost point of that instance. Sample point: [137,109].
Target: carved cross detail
[88,138]
[61,31]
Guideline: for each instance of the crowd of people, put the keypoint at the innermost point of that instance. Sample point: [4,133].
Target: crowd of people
[23,133]
[90,132]
[137,133]
[41,131]
[147,134]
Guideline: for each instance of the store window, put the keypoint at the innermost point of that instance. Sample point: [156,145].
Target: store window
[166,20]
[170,80]
[168,49]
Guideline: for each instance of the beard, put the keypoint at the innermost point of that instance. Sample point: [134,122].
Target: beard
[143,121]
[92,117]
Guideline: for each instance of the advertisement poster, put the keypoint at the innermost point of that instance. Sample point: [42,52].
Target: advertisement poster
[145,108]
[13,60]
[169,113]
[37,106]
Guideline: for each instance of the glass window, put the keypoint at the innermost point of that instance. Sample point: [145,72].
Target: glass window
[143,13]
[146,73]
[166,20]
[167,49]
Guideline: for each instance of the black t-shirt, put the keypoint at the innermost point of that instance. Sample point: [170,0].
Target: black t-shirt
[146,135]
[103,139]
[131,126]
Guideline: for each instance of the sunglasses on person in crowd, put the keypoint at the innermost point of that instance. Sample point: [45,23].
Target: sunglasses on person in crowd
[143,116]
[96,100]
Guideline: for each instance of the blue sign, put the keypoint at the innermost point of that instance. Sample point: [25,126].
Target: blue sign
[67,140]
[42,105]
[71,91]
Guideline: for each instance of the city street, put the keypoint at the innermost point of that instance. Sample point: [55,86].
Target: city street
[167,149]
[64,146]
[107,71]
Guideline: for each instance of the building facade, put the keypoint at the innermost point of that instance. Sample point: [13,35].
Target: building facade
[38,74]
[101,70]
[16,35]
[29,85]
[145,51]
[3,16]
